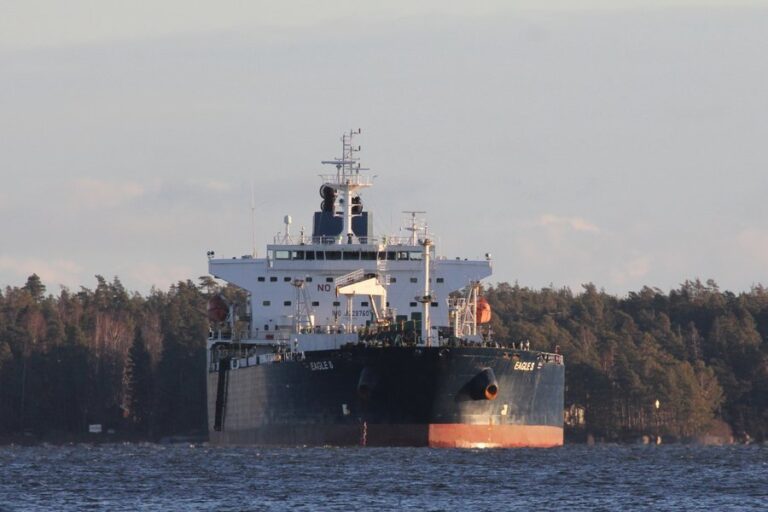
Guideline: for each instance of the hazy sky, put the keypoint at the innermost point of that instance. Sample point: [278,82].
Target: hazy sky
[619,143]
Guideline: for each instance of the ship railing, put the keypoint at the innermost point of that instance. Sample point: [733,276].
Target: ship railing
[226,335]
[302,239]
[548,357]
[240,360]
[283,335]
[276,335]
[355,179]
[352,277]
[283,239]
[396,240]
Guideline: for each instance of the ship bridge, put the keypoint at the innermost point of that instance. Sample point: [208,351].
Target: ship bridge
[343,241]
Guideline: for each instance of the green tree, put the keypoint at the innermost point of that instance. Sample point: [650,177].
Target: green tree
[35,287]
[139,405]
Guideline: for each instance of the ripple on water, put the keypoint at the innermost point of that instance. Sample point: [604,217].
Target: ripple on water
[151,477]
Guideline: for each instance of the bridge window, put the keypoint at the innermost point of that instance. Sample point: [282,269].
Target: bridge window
[402,255]
[368,255]
[416,256]
[333,255]
[319,255]
[310,255]
[282,255]
[351,255]
[297,255]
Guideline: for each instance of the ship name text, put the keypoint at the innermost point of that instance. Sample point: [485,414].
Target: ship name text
[525,366]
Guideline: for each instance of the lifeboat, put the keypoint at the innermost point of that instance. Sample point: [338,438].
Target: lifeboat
[483,311]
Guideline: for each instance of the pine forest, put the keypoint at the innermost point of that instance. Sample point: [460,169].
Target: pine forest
[682,364]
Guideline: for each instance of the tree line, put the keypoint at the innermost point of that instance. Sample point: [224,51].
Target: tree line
[133,364]
[680,364]
[136,364]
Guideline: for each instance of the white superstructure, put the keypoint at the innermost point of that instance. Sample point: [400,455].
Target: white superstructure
[319,291]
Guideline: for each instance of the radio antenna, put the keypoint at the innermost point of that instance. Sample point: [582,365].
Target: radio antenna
[253,222]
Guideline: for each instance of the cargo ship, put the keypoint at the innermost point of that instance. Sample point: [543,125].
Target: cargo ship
[348,338]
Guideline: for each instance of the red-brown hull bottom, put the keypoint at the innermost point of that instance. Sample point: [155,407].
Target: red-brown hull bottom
[450,435]
[494,436]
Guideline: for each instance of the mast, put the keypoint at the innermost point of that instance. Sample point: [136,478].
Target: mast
[304,319]
[427,301]
[347,180]
[414,228]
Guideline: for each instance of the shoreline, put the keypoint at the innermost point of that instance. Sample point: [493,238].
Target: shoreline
[61,439]
[107,439]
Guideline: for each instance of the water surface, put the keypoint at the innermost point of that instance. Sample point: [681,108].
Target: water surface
[576,477]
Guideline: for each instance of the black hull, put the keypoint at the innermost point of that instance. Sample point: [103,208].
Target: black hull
[399,396]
